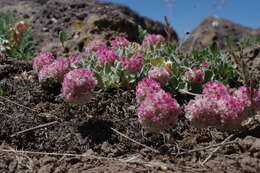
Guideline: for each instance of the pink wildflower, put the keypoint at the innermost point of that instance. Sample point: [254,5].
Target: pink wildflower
[242,94]
[195,75]
[158,111]
[160,74]
[55,70]
[44,58]
[75,61]
[78,85]
[93,45]
[145,87]
[106,55]
[120,42]
[215,88]
[152,39]
[202,112]
[231,111]
[133,64]
[204,64]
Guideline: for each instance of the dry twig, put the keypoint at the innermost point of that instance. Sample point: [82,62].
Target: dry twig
[6,99]
[204,148]
[129,161]
[219,147]
[145,146]
[34,128]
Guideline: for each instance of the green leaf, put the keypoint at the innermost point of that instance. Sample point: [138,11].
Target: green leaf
[173,82]
[209,75]
[99,80]
[106,68]
[63,37]
[1,92]
[157,61]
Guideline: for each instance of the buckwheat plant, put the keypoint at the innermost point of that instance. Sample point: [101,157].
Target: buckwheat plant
[78,85]
[215,88]
[243,95]
[133,64]
[219,108]
[145,87]
[158,111]
[93,45]
[54,71]
[120,42]
[160,74]
[106,55]
[75,61]
[195,75]
[152,40]
[44,58]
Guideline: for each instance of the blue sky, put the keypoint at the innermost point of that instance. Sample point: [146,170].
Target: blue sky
[185,15]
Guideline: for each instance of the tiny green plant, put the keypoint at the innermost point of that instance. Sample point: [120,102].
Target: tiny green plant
[1,92]
[18,38]
[63,36]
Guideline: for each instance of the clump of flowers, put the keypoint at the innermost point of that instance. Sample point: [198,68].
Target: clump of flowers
[133,64]
[152,39]
[93,45]
[195,75]
[78,86]
[201,112]
[160,74]
[217,107]
[44,58]
[55,71]
[204,64]
[75,61]
[120,42]
[158,111]
[244,96]
[106,55]
[215,88]
[145,87]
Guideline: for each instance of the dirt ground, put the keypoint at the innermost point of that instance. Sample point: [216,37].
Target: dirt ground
[90,138]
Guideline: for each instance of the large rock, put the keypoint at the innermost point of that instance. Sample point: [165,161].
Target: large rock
[251,57]
[214,29]
[83,20]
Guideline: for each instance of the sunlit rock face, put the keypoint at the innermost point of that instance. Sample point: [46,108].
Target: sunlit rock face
[217,30]
[82,20]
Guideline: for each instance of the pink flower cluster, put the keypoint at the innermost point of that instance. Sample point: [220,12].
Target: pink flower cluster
[133,64]
[204,64]
[78,85]
[55,70]
[215,88]
[145,87]
[75,61]
[120,42]
[157,109]
[217,107]
[93,45]
[243,95]
[160,74]
[152,39]
[106,55]
[44,58]
[195,75]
